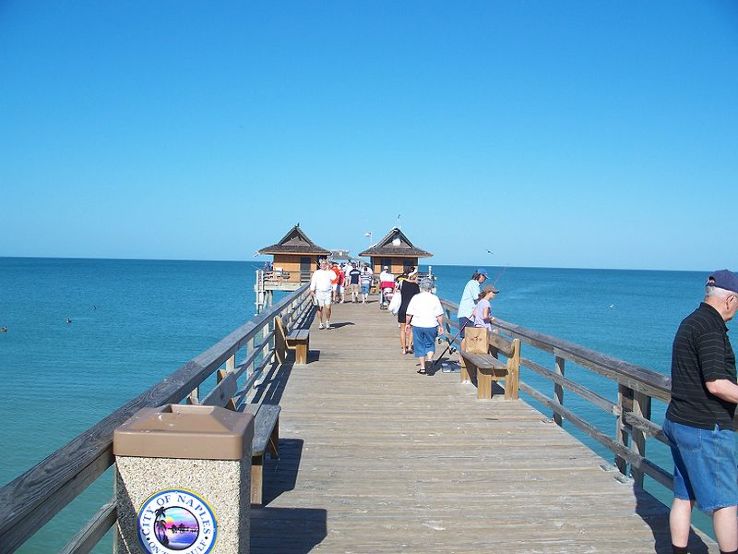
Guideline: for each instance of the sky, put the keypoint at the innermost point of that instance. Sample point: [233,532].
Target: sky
[554,134]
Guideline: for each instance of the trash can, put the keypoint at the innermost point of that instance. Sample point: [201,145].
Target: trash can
[183,480]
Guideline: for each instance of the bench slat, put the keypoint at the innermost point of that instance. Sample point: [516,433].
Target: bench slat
[500,343]
[265,418]
[484,361]
[298,334]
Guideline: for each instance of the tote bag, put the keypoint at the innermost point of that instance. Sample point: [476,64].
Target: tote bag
[394,305]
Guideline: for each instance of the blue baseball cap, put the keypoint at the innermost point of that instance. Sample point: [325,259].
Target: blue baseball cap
[724,279]
[481,271]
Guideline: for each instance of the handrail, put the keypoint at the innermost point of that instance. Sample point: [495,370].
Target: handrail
[636,387]
[33,498]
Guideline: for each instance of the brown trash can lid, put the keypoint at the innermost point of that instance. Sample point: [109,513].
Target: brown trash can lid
[185,432]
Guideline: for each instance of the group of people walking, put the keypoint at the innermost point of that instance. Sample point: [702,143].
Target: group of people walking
[420,314]
[329,282]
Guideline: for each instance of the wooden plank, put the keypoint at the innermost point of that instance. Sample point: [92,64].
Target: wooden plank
[593,397]
[222,393]
[298,335]
[484,361]
[90,534]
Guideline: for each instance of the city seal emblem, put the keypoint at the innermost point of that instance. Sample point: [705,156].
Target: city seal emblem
[176,522]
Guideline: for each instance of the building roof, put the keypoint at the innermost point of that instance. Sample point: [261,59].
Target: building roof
[397,245]
[295,242]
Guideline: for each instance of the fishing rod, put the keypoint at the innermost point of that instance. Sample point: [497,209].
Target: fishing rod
[449,346]
[499,275]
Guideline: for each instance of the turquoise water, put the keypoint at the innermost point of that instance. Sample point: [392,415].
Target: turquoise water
[134,322]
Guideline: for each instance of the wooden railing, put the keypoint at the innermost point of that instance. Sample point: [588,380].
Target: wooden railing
[36,496]
[634,386]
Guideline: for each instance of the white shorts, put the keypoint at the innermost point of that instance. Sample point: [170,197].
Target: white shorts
[323,298]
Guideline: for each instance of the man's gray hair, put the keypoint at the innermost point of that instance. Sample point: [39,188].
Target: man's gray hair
[426,284]
[717,292]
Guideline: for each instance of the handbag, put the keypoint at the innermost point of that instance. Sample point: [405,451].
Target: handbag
[394,305]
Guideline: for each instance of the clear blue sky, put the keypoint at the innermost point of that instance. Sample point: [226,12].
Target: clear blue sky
[564,134]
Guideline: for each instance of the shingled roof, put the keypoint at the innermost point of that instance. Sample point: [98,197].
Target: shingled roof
[386,248]
[295,242]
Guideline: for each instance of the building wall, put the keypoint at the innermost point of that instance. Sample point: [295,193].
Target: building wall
[290,263]
[397,265]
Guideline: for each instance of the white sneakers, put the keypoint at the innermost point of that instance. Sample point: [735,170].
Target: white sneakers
[320,326]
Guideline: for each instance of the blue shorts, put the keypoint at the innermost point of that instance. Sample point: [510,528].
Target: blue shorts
[704,465]
[424,340]
[364,289]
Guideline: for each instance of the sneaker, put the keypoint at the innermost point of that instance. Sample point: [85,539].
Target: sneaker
[328,325]
[320,326]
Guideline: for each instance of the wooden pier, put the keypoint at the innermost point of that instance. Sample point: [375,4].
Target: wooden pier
[377,458]
[374,457]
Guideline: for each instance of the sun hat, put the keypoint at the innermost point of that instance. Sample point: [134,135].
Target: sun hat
[724,279]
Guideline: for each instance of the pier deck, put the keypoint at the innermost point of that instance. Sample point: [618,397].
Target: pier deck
[376,458]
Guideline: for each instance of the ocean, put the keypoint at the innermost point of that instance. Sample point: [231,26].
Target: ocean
[84,336]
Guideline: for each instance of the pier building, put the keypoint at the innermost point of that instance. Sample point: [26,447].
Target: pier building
[395,251]
[295,257]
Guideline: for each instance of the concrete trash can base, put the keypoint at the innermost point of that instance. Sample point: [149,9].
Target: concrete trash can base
[183,480]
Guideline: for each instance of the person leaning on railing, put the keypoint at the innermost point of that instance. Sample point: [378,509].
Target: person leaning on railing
[469,300]
[482,312]
[699,419]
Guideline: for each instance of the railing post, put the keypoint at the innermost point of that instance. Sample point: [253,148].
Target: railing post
[559,369]
[514,369]
[642,408]
[622,429]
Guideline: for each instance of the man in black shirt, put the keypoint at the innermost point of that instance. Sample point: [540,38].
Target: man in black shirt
[699,420]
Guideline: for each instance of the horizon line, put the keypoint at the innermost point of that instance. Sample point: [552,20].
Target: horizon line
[262,261]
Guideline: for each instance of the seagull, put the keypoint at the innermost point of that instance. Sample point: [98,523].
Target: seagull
[490,252]
[69,320]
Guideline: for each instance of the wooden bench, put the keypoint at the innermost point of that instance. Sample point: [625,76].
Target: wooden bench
[479,352]
[266,429]
[297,339]
[266,439]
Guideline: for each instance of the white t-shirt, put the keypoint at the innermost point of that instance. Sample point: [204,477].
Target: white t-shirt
[386,276]
[425,307]
[321,280]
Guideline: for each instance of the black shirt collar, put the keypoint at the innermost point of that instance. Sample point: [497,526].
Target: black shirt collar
[713,313]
